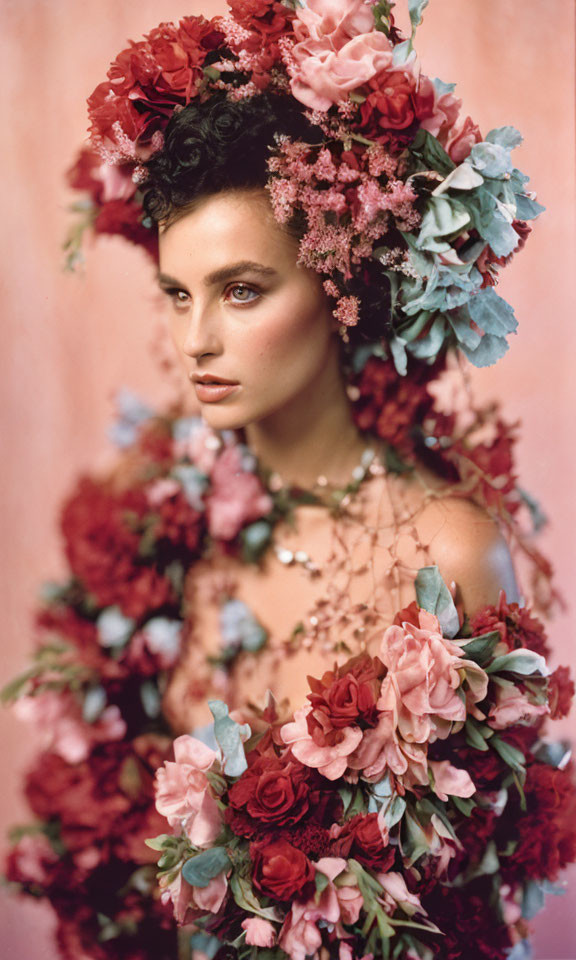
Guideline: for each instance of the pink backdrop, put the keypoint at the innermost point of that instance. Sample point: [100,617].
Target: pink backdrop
[70,341]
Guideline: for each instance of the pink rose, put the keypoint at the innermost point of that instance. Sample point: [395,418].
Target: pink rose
[327,752]
[259,932]
[437,113]
[512,706]
[183,793]
[460,141]
[236,496]
[338,51]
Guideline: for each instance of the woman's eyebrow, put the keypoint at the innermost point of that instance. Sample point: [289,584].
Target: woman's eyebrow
[223,273]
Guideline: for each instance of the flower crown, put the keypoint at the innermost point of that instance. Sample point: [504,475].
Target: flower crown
[397,178]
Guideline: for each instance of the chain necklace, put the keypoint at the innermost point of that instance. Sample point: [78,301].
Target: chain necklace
[336,498]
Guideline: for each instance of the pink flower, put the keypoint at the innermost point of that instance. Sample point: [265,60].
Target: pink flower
[460,141]
[338,50]
[183,793]
[326,751]
[259,932]
[236,496]
[199,443]
[300,936]
[190,902]
[451,780]
[397,894]
[422,686]
[512,706]
[383,749]
[61,727]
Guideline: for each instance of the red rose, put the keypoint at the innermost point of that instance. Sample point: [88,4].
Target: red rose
[280,870]
[347,694]
[271,791]
[361,839]
[389,104]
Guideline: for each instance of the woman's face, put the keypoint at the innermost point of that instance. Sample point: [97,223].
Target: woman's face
[243,311]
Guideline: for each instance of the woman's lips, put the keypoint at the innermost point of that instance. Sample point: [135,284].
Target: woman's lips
[211,392]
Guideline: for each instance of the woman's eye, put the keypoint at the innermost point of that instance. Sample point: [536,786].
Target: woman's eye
[178,297]
[240,291]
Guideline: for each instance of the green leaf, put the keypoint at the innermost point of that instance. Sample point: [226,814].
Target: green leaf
[526,208]
[443,218]
[480,649]
[507,137]
[433,595]
[464,805]
[513,757]
[159,842]
[416,9]
[230,736]
[428,347]
[521,662]
[488,352]
[244,895]
[431,152]
[198,871]
[321,881]
[492,313]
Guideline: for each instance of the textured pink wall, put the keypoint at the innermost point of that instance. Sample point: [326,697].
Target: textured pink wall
[69,341]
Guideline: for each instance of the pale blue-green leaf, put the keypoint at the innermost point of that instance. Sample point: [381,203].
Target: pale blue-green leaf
[399,355]
[401,53]
[443,218]
[518,180]
[193,482]
[507,137]
[205,733]
[532,900]
[522,950]
[464,177]
[230,737]
[433,595]
[500,234]
[556,753]
[150,698]
[491,160]
[416,9]
[526,208]
[522,662]
[114,629]
[428,346]
[480,649]
[94,702]
[198,871]
[459,320]
[490,349]
[492,313]
[441,87]
[206,944]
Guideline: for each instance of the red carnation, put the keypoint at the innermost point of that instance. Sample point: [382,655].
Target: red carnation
[280,870]
[516,625]
[103,533]
[361,839]
[560,693]
[272,791]
[469,922]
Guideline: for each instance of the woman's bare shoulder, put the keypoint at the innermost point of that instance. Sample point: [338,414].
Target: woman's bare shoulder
[462,539]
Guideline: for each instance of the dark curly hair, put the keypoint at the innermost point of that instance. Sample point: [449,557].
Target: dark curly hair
[223,144]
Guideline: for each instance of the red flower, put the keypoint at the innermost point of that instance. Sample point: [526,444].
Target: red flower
[347,694]
[361,839]
[492,466]
[468,921]
[516,625]
[280,870]
[560,693]
[272,791]
[103,533]
[546,830]
[488,263]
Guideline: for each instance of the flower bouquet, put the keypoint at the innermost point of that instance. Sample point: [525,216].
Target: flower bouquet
[396,806]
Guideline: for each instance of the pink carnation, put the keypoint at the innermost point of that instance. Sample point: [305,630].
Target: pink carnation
[183,793]
[236,496]
[259,932]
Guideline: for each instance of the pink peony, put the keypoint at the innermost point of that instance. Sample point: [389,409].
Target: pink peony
[236,496]
[425,674]
[62,729]
[326,751]
[183,793]
[512,706]
[338,51]
[259,932]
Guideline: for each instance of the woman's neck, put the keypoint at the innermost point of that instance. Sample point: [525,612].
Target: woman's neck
[315,436]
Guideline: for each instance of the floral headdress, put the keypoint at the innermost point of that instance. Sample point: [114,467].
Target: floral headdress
[398,178]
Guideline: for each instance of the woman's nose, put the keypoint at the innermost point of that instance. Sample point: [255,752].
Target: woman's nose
[202,334]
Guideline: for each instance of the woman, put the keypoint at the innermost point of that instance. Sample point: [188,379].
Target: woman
[268,329]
